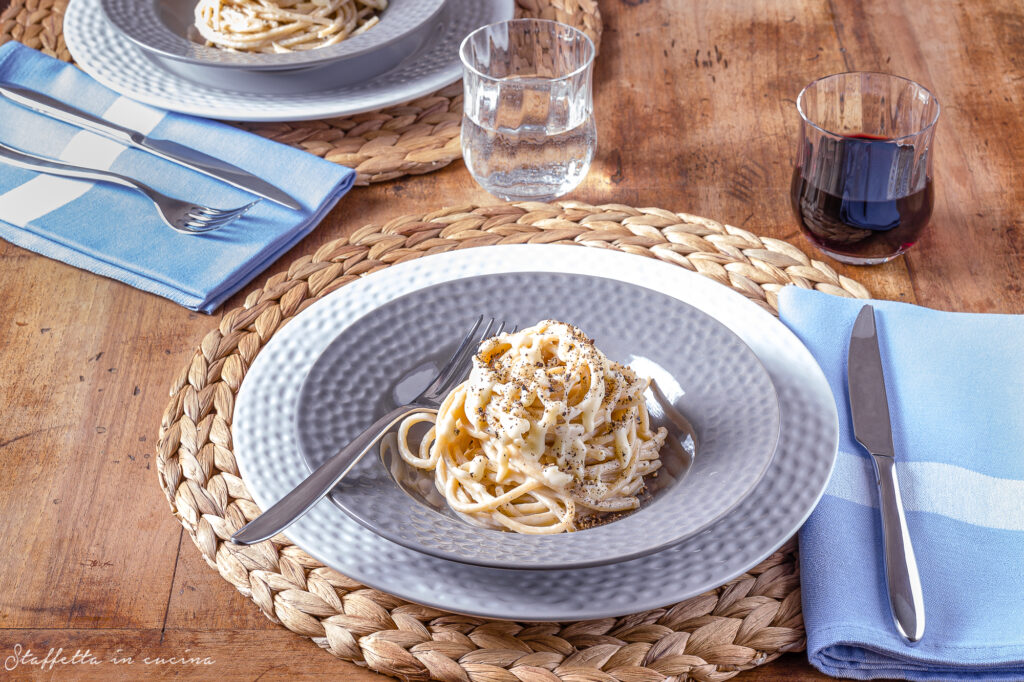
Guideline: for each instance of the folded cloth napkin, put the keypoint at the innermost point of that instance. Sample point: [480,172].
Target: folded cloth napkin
[115,231]
[954,383]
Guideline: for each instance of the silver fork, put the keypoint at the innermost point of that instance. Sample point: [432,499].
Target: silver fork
[181,216]
[296,503]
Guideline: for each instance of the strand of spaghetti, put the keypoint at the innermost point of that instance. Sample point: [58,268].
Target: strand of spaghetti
[426,459]
[490,503]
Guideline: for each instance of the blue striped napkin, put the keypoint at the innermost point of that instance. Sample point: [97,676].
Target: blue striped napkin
[114,231]
[955,383]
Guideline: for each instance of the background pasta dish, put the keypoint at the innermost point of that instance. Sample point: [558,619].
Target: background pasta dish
[546,434]
[276,26]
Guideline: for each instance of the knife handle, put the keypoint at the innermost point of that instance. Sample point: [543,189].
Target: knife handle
[48,106]
[901,575]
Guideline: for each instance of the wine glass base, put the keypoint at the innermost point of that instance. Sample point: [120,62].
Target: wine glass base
[543,199]
[529,184]
[858,260]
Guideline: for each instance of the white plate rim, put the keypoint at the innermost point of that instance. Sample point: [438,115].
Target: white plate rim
[690,287]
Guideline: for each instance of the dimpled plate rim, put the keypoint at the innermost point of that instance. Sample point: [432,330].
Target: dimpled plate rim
[100,50]
[726,392]
[270,463]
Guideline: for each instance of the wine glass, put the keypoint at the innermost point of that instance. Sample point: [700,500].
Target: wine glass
[862,188]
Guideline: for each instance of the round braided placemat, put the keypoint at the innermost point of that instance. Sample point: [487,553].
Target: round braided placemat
[745,623]
[409,139]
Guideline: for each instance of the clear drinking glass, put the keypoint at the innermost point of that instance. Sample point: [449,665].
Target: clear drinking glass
[862,187]
[528,127]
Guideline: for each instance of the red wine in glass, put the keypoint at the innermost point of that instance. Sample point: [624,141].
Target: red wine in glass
[861,203]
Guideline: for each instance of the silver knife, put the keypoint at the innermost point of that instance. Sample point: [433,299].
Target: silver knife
[870,409]
[172,151]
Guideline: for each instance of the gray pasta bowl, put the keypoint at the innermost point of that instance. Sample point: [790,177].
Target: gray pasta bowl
[164,30]
[385,358]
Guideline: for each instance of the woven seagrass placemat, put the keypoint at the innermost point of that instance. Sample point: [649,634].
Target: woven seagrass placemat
[409,139]
[745,623]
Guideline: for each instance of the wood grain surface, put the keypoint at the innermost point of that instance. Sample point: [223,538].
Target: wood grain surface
[695,107]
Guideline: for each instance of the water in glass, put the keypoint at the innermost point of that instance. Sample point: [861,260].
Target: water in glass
[538,160]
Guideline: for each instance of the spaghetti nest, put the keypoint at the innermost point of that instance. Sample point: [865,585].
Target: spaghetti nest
[546,434]
[275,26]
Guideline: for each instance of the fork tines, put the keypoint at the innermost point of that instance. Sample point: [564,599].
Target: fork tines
[204,218]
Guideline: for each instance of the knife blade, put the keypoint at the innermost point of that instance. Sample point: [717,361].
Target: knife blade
[869,408]
[166,149]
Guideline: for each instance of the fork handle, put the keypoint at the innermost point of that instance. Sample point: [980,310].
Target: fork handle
[296,503]
[22,159]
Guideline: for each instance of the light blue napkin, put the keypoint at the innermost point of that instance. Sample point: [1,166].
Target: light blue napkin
[955,384]
[114,231]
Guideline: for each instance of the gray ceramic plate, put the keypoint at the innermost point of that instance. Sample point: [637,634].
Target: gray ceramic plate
[267,451]
[165,28]
[385,358]
[105,54]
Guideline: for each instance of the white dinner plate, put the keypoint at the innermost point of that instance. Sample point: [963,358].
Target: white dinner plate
[268,453]
[113,60]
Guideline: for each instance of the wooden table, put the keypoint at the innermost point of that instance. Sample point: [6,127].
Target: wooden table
[695,105]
